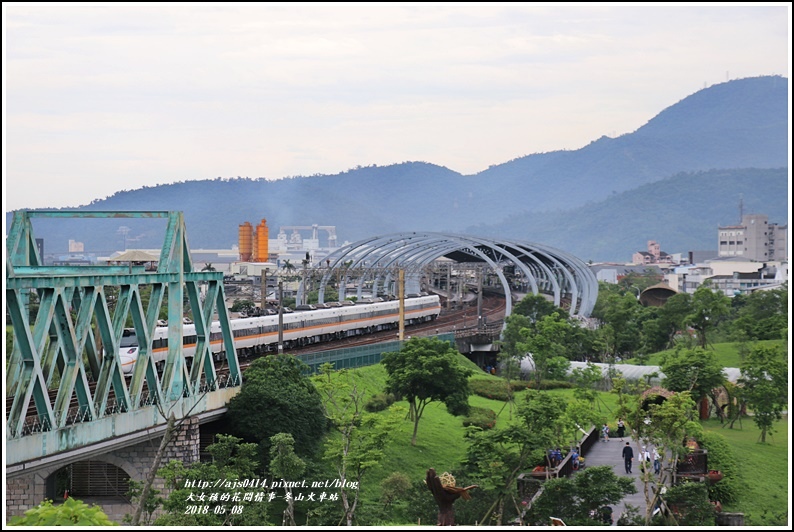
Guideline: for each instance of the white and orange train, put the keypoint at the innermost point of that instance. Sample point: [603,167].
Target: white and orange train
[257,335]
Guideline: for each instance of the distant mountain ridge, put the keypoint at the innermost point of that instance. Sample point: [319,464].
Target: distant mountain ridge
[710,140]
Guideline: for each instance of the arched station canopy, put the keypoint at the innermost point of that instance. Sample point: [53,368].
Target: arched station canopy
[542,269]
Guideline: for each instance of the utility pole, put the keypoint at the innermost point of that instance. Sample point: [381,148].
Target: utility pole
[479,297]
[280,316]
[401,295]
[305,264]
[449,286]
[264,290]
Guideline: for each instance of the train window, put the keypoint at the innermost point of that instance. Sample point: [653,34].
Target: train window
[128,339]
[157,344]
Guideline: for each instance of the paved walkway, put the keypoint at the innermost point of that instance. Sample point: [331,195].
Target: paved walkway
[611,453]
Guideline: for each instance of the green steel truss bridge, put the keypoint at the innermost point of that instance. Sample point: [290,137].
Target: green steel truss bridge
[64,372]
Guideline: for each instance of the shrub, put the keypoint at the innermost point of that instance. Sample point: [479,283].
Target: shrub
[494,389]
[72,512]
[379,402]
[551,385]
[485,418]
[721,458]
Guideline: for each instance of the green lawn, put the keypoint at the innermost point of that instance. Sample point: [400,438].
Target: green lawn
[764,471]
[727,353]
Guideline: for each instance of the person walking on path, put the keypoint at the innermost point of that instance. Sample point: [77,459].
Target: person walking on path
[657,467]
[628,457]
[644,459]
[621,429]
[605,432]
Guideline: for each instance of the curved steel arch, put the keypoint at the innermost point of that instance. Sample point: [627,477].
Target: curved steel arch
[554,269]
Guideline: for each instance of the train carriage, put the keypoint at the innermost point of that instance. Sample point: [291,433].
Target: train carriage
[257,335]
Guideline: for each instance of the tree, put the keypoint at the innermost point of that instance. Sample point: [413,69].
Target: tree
[577,499]
[709,307]
[72,512]
[362,436]
[510,354]
[276,397]
[288,466]
[764,386]
[233,462]
[425,370]
[695,370]
[544,343]
[534,307]
[763,315]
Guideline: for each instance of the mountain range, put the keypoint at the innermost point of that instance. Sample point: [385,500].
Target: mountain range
[673,180]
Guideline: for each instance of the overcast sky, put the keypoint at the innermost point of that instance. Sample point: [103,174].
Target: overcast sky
[99,98]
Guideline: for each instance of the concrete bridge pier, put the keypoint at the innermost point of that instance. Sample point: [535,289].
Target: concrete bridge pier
[92,479]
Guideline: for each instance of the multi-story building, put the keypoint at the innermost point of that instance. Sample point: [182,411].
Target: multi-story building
[654,255]
[754,239]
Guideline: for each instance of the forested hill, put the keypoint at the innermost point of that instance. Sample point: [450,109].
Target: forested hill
[737,124]
[682,213]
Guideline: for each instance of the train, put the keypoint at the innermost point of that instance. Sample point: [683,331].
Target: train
[259,335]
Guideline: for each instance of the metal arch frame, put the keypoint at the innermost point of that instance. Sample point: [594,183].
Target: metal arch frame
[428,257]
[563,272]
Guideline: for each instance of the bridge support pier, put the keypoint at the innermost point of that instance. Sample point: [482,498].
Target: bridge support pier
[27,489]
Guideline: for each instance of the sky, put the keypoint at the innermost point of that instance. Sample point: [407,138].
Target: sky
[99,98]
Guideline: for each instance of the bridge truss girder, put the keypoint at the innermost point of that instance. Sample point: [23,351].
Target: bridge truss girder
[74,316]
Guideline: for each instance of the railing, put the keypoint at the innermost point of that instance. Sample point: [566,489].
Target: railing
[693,464]
[588,440]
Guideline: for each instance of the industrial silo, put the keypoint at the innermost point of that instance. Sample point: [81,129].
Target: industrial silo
[246,242]
[261,242]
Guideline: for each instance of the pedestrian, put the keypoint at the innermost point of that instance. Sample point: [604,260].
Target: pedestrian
[605,433]
[628,457]
[575,459]
[645,459]
[657,466]
[621,429]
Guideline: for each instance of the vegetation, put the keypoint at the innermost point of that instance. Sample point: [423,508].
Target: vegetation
[425,370]
[276,397]
[577,500]
[72,512]
[763,386]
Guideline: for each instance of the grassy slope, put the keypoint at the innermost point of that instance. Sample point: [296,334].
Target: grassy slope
[441,444]
[764,470]
[727,353]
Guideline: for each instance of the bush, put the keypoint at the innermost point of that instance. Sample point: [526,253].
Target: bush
[494,389]
[551,385]
[485,418]
[72,512]
[721,458]
[379,402]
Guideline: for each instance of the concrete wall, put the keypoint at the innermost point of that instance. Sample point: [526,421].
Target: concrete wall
[26,491]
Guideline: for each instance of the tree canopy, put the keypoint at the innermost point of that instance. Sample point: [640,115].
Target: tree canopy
[425,370]
[276,397]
